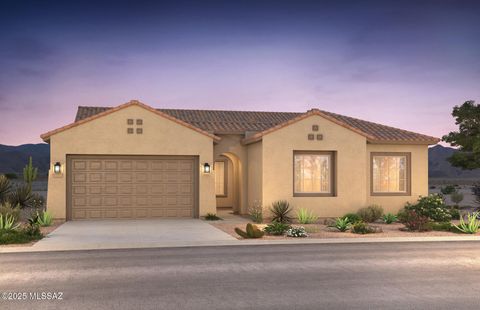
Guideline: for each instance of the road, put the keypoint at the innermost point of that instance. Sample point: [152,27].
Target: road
[440,275]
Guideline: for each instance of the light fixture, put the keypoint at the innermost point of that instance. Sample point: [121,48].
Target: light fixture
[206,168]
[57,168]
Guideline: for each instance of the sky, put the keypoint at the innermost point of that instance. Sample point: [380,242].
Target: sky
[399,63]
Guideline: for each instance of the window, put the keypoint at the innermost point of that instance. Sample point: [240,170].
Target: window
[390,174]
[220,170]
[313,174]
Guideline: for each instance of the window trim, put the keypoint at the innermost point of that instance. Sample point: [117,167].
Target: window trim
[225,177]
[408,155]
[333,174]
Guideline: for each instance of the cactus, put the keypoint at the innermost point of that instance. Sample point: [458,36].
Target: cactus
[252,231]
[30,173]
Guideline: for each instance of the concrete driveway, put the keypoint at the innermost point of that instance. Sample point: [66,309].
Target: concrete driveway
[112,234]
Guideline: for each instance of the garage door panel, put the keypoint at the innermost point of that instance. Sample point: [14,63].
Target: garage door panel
[131,187]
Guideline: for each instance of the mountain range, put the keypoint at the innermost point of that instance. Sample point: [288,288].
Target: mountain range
[14,158]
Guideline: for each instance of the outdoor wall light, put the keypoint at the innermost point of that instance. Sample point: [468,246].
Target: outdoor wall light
[57,168]
[206,168]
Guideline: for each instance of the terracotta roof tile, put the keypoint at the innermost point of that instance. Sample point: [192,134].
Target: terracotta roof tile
[222,122]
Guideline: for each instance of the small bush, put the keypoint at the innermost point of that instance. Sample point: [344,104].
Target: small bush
[306,217]
[447,190]
[446,226]
[456,197]
[251,231]
[276,228]
[454,212]
[432,206]
[362,228]
[342,224]
[471,226]
[212,217]
[7,209]
[37,202]
[19,236]
[297,232]
[45,219]
[413,221]
[352,217]
[256,212]
[281,210]
[389,218]
[371,213]
[21,196]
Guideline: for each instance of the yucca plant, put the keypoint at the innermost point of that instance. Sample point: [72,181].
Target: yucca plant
[7,222]
[471,226]
[22,197]
[5,187]
[281,210]
[45,218]
[306,217]
[342,224]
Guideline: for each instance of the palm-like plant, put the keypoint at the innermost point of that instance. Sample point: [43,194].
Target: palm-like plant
[471,226]
[22,197]
[281,210]
[5,188]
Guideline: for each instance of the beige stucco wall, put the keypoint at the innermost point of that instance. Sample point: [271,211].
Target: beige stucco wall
[277,176]
[255,173]
[108,135]
[231,146]
[419,175]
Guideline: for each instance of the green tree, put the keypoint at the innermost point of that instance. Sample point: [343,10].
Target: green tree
[30,173]
[467,138]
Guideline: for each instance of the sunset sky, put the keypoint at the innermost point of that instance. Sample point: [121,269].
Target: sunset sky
[404,65]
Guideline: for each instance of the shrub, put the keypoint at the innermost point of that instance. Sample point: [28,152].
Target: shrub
[297,232]
[413,221]
[432,206]
[352,217]
[45,218]
[389,218]
[7,223]
[21,196]
[208,217]
[454,212]
[251,231]
[33,228]
[5,188]
[456,197]
[371,213]
[448,189]
[256,212]
[37,202]
[281,210]
[306,217]
[19,236]
[342,224]
[471,226]
[362,228]
[276,228]
[446,226]
[7,209]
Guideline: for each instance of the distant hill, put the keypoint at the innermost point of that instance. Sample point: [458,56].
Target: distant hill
[14,158]
[439,167]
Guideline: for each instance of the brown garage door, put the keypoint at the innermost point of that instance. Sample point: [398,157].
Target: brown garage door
[106,187]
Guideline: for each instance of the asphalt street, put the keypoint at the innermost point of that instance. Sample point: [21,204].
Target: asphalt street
[421,275]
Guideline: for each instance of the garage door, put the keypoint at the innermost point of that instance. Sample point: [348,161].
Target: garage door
[109,187]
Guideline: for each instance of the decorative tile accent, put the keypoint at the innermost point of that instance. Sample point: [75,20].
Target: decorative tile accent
[311,136]
[319,137]
[130,130]
[130,121]
[139,121]
[315,128]
[139,131]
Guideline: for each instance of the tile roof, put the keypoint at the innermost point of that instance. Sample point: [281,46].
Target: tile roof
[223,122]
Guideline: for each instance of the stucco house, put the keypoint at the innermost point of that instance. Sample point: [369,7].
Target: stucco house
[134,161]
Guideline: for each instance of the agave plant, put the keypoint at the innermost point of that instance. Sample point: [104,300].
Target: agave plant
[7,222]
[306,217]
[342,224]
[471,226]
[5,188]
[45,218]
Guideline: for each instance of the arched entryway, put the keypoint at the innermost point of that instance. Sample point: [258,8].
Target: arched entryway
[228,177]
